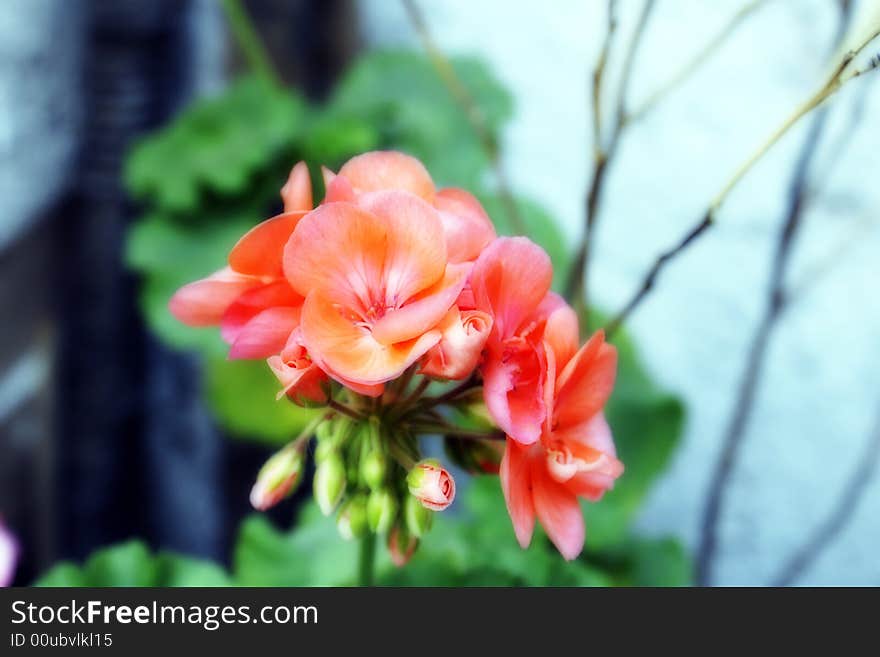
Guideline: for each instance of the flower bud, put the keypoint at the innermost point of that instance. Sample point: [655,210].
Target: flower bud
[401,545]
[432,484]
[352,519]
[329,482]
[277,478]
[418,517]
[381,510]
[374,467]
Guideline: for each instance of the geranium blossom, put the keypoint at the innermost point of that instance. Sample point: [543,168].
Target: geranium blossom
[368,303]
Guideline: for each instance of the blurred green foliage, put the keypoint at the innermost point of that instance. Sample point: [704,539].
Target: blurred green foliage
[214,172]
[476,547]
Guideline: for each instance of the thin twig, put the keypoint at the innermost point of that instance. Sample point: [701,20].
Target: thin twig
[248,40]
[840,514]
[841,74]
[756,359]
[697,61]
[577,288]
[471,109]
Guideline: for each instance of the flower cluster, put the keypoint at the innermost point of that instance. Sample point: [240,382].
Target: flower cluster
[368,305]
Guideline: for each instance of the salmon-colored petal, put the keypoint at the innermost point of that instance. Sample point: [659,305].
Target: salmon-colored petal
[338,188]
[381,170]
[342,345]
[585,383]
[466,225]
[415,257]
[259,252]
[297,191]
[561,332]
[559,513]
[513,389]
[425,310]
[301,378]
[509,281]
[516,483]
[251,303]
[203,302]
[457,354]
[266,334]
[368,262]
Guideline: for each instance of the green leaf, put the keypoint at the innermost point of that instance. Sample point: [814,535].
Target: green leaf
[242,396]
[216,145]
[401,94]
[132,564]
[170,255]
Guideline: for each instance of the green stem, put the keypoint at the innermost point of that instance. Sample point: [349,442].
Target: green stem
[248,40]
[367,560]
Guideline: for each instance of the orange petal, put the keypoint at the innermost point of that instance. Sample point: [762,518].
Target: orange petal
[259,252]
[297,191]
[515,475]
[366,258]
[252,302]
[585,383]
[560,514]
[266,334]
[509,280]
[425,310]
[341,345]
[383,170]
[338,188]
[466,225]
[561,332]
[203,302]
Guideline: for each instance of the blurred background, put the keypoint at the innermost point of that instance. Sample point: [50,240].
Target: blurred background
[138,137]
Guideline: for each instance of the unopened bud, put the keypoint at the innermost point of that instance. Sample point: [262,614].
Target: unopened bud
[381,510]
[329,482]
[401,545]
[432,484]
[418,517]
[352,519]
[277,478]
[374,467]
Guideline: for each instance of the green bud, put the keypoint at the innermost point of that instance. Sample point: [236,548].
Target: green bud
[381,510]
[329,482]
[374,467]
[352,519]
[324,449]
[277,478]
[418,518]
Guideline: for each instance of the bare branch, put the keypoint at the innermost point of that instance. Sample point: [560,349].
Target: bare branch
[841,74]
[697,61]
[840,514]
[756,359]
[471,109]
[576,286]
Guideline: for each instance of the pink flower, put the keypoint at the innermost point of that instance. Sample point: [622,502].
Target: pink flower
[376,283]
[467,228]
[432,484]
[300,376]
[463,335]
[8,555]
[511,282]
[575,456]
